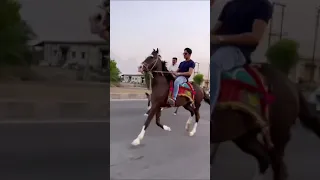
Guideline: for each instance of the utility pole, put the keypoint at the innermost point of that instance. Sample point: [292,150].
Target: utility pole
[315,42]
[197,71]
[271,34]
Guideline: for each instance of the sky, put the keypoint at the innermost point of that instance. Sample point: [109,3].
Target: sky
[139,26]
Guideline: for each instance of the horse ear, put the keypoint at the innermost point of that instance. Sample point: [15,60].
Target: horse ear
[154,50]
[157,50]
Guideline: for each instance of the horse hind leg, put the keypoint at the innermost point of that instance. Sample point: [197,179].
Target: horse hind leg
[279,167]
[197,118]
[176,111]
[189,121]
[148,111]
[250,145]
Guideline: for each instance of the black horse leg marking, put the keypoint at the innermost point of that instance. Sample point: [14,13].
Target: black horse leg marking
[249,144]
[146,125]
[189,121]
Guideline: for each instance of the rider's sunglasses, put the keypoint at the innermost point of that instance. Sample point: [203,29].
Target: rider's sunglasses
[185,53]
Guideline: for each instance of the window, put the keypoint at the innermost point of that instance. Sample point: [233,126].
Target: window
[83,55]
[73,54]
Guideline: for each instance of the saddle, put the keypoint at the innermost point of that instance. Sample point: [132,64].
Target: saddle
[185,89]
[245,89]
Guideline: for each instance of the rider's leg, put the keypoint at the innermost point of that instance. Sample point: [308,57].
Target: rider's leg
[177,82]
[224,59]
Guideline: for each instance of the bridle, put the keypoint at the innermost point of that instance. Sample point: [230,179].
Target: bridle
[154,63]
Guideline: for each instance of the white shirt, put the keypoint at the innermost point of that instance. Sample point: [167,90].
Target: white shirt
[173,67]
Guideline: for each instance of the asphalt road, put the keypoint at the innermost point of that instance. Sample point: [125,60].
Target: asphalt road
[174,155]
[54,150]
[162,154]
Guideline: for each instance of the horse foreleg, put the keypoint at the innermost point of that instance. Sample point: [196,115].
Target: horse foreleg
[148,108]
[158,114]
[189,121]
[194,129]
[145,126]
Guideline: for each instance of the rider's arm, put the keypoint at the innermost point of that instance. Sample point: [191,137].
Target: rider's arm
[262,15]
[221,17]
[189,73]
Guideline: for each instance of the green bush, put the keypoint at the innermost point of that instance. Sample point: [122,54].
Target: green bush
[114,71]
[198,79]
[283,55]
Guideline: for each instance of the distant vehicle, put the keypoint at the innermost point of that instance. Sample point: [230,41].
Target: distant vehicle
[314,99]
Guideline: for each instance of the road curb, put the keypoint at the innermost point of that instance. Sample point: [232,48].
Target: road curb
[53,110]
[127,96]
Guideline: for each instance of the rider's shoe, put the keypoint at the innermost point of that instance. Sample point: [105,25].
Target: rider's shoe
[171,102]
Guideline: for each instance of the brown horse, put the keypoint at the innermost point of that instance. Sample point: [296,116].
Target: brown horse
[149,105]
[160,92]
[229,124]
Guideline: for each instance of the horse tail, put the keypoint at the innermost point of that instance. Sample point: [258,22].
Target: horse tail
[308,119]
[206,97]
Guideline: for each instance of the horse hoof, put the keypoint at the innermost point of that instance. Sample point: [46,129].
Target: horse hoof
[145,114]
[167,128]
[174,114]
[192,133]
[135,142]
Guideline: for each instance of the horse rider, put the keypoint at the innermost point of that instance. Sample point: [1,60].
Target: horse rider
[174,66]
[184,71]
[235,36]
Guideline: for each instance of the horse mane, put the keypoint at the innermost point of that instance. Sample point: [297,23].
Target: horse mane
[168,76]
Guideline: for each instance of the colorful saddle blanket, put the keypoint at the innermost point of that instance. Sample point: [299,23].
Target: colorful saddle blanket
[185,89]
[244,89]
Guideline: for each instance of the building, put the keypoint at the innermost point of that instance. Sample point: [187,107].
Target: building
[133,78]
[63,54]
[292,19]
[63,32]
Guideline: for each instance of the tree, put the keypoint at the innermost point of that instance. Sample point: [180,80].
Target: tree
[14,35]
[198,79]
[283,55]
[114,71]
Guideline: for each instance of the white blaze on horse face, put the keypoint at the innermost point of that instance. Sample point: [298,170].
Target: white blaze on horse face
[139,138]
